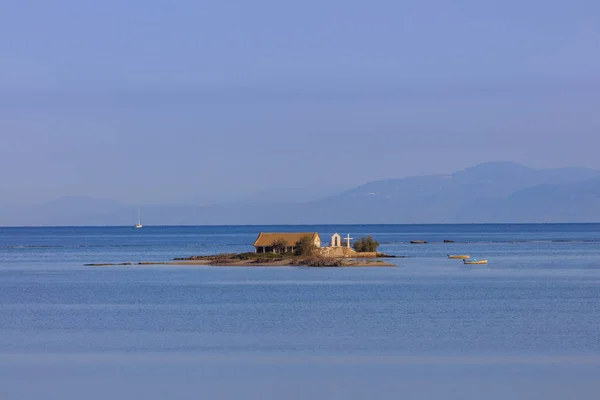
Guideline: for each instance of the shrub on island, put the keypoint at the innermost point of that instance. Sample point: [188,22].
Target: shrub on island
[254,256]
[305,247]
[365,245]
[280,246]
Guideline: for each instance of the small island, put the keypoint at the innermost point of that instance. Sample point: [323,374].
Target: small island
[251,260]
[292,249]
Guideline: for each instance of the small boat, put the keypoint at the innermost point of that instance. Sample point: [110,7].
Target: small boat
[475,262]
[418,241]
[139,223]
[459,256]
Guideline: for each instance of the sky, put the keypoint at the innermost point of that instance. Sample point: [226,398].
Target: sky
[193,102]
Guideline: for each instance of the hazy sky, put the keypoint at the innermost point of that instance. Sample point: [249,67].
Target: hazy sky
[193,101]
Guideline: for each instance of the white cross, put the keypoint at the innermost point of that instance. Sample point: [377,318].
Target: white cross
[348,239]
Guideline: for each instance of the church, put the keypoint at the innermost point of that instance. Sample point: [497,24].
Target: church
[264,241]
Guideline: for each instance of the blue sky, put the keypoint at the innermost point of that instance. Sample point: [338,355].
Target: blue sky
[203,101]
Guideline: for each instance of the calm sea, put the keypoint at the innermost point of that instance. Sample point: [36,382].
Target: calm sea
[525,326]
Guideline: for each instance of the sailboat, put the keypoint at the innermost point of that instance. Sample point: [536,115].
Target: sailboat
[139,223]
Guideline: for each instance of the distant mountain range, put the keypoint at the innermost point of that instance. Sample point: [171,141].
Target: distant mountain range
[488,193]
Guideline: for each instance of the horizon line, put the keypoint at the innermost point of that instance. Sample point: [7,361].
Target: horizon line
[328,224]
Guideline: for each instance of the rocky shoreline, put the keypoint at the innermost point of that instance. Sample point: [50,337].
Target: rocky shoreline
[265,260]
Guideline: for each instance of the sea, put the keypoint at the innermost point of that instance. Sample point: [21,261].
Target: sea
[524,326]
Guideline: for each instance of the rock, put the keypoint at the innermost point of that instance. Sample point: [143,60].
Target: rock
[383,255]
[97,265]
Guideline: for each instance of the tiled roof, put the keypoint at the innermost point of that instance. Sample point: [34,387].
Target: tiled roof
[267,238]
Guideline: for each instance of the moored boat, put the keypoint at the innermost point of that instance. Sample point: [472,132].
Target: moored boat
[459,256]
[473,262]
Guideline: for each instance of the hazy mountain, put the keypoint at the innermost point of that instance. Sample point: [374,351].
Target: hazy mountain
[464,196]
[491,192]
[573,202]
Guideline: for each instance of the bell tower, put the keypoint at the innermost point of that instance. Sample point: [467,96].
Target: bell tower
[336,240]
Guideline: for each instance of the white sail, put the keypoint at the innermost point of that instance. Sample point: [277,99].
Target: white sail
[139,224]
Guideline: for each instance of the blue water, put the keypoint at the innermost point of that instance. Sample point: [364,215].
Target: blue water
[527,325]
